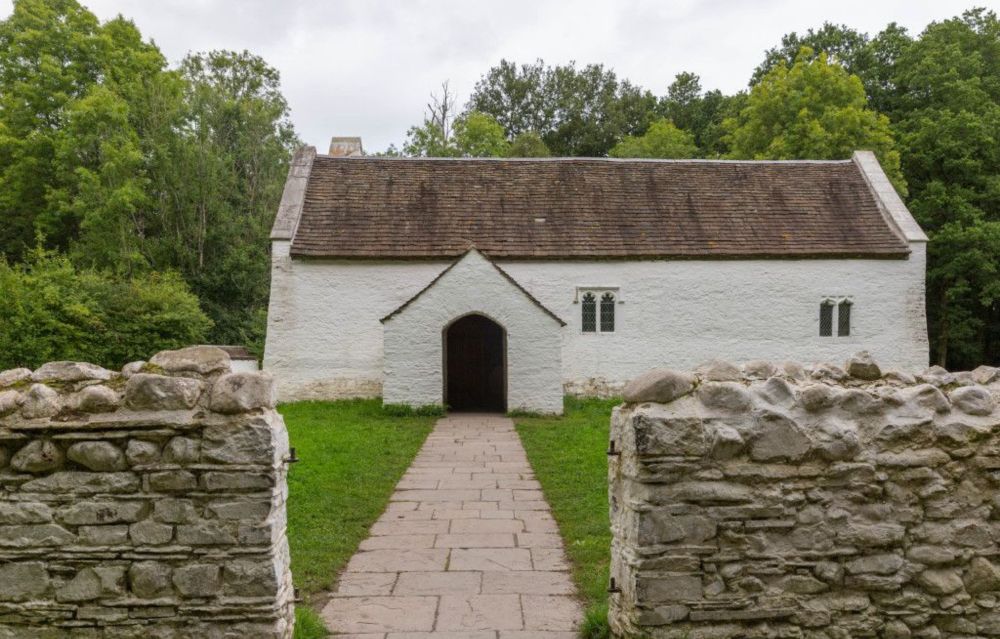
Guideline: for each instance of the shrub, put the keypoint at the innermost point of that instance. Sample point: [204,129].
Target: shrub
[50,310]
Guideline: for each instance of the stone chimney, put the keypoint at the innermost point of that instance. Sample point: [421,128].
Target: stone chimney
[346,147]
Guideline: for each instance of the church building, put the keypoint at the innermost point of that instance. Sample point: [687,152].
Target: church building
[503,284]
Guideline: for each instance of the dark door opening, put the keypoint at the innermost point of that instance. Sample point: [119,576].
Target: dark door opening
[475,365]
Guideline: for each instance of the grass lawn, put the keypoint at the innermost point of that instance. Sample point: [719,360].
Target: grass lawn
[569,457]
[353,454]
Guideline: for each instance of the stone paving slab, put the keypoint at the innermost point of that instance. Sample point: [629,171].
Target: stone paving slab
[467,548]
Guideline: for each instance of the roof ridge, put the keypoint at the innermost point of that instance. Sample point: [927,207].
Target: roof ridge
[380,158]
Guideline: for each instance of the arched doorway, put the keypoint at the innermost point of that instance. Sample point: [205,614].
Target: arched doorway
[475,354]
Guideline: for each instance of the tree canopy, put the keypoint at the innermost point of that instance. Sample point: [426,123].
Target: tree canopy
[577,111]
[811,110]
[132,168]
[661,140]
[947,118]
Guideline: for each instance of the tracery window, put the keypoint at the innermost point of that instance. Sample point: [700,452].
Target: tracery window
[826,318]
[607,313]
[589,310]
[844,318]
[597,308]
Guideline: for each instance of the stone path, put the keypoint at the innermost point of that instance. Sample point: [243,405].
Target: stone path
[467,548]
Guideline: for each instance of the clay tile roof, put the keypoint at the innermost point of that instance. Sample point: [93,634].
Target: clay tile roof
[365,207]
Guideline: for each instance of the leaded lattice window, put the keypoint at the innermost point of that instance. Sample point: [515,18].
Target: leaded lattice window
[607,313]
[844,318]
[589,308]
[826,319]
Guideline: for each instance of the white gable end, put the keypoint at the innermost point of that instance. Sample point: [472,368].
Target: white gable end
[414,338]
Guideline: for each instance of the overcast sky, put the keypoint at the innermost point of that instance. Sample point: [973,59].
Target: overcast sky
[366,67]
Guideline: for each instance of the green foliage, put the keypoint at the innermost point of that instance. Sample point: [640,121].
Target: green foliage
[128,166]
[528,144]
[579,499]
[576,111]
[69,152]
[51,310]
[442,135]
[225,181]
[812,110]
[661,140]
[699,113]
[947,116]
[479,135]
[871,59]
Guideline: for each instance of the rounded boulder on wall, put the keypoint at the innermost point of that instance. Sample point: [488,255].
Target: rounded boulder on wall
[972,400]
[39,456]
[40,401]
[10,401]
[718,370]
[862,366]
[70,372]
[724,396]
[660,385]
[14,376]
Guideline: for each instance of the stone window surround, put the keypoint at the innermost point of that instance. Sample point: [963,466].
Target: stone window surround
[836,301]
[597,292]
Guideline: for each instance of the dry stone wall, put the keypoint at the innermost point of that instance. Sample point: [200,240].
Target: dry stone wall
[143,504]
[824,503]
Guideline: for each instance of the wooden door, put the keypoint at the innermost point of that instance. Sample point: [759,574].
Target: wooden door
[476,365]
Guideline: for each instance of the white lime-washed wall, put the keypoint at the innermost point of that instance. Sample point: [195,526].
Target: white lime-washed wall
[679,314]
[325,340]
[414,339]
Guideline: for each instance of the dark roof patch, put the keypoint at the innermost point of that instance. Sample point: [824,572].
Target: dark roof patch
[568,208]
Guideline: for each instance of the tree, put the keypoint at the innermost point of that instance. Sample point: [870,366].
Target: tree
[68,121]
[434,137]
[479,135]
[947,117]
[576,111]
[443,134]
[661,140]
[871,59]
[517,96]
[130,167]
[841,44]
[700,113]
[528,144]
[812,110]
[219,188]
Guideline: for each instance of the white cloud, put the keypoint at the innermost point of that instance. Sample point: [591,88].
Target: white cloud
[366,67]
